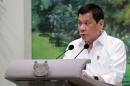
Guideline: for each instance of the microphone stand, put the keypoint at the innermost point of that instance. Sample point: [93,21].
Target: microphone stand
[86,46]
[71,47]
[61,54]
[78,53]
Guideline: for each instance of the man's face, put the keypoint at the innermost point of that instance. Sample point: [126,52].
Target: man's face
[88,28]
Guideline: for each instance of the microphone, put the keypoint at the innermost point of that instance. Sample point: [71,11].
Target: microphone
[71,47]
[86,46]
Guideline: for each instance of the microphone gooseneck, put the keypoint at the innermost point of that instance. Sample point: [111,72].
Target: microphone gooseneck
[86,46]
[71,47]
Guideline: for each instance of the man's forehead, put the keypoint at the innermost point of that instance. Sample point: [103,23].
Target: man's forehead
[85,17]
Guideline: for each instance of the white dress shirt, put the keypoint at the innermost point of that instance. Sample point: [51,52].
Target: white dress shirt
[108,57]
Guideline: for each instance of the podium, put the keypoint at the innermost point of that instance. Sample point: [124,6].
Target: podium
[59,72]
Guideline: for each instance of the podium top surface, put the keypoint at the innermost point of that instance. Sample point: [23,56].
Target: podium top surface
[58,69]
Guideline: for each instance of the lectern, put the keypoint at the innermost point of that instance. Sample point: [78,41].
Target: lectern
[59,72]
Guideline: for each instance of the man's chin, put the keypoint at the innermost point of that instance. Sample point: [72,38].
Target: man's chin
[83,38]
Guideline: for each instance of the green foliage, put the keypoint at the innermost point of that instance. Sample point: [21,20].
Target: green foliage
[116,2]
[123,15]
[126,80]
[35,20]
[45,4]
[42,49]
[63,20]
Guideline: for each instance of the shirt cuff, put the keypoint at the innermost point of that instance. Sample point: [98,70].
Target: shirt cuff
[109,79]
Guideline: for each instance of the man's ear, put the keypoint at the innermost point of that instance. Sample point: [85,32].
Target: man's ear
[101,22]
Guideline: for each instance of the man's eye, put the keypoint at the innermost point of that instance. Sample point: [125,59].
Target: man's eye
[79,23]
[87,23]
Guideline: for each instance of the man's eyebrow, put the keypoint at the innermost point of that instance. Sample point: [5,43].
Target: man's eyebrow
[86,20]
[83,21]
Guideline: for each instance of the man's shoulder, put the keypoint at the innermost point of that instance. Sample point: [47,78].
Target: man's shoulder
[112,43]
[114,40]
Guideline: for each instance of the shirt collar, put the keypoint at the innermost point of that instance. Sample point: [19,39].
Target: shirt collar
[102,39]
[82,42]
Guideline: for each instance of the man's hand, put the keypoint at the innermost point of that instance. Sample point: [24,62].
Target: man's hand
[94,77]
[101,79]
[84,73]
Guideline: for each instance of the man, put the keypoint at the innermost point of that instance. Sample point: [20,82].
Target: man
[107,54]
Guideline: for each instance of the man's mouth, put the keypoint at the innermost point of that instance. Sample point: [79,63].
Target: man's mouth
[83,34]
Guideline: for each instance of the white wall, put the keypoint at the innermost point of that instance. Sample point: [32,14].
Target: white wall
[15,34]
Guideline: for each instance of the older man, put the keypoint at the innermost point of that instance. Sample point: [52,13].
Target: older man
[107,53]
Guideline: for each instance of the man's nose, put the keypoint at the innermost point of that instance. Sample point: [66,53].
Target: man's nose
[82,27]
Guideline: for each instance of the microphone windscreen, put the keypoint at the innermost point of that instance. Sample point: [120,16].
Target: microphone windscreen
[86,46]
[71,47]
